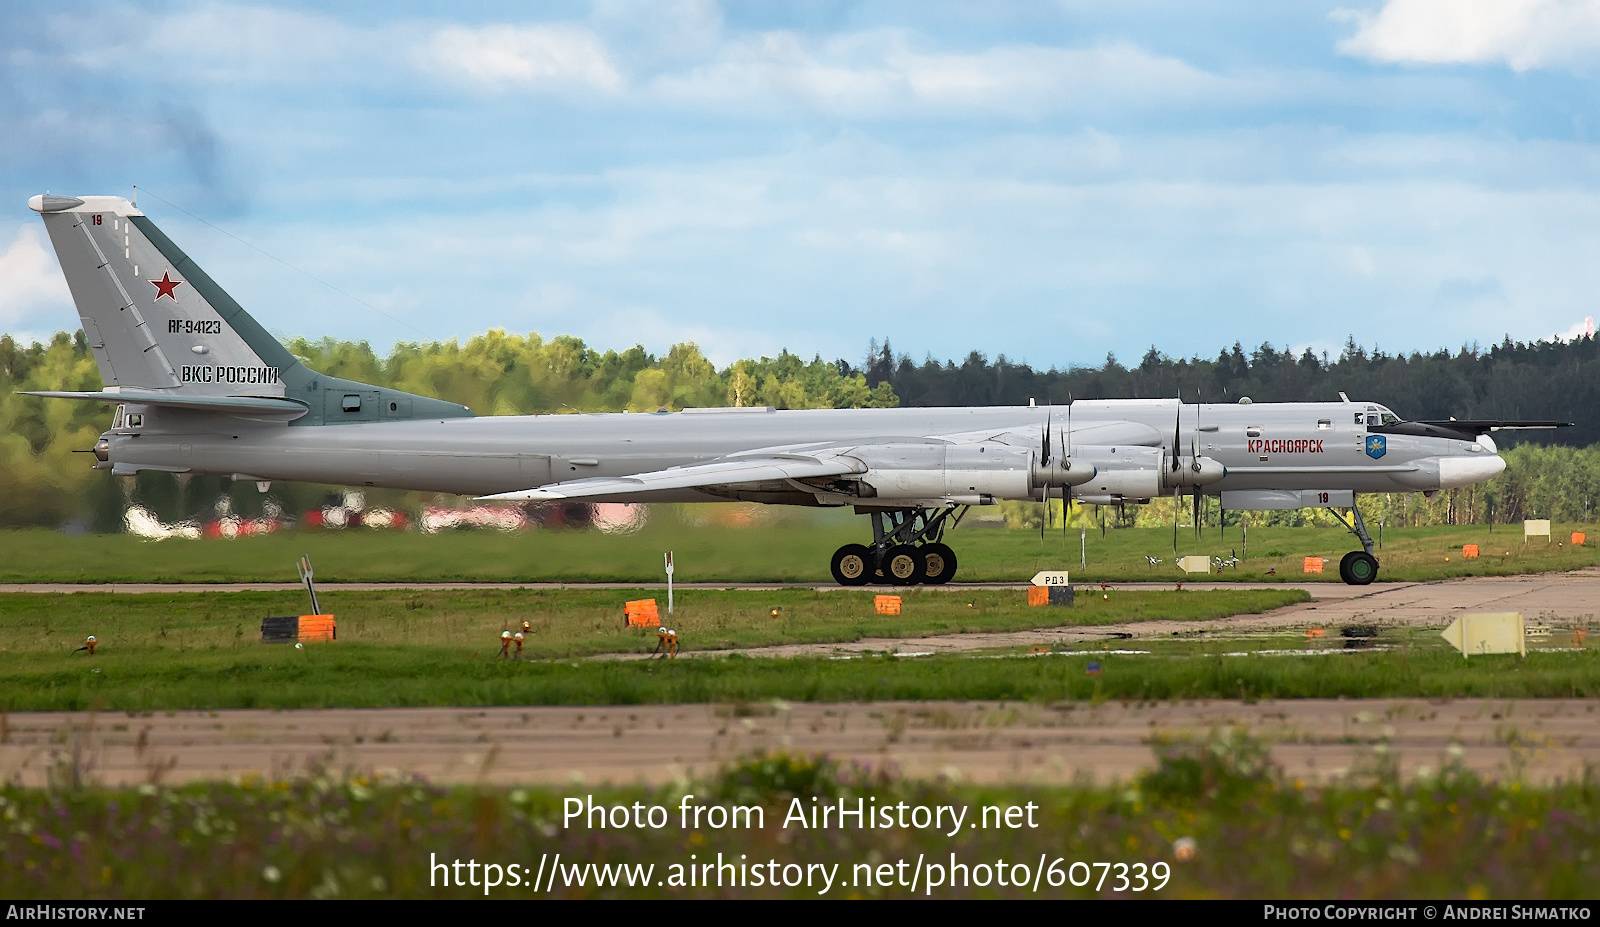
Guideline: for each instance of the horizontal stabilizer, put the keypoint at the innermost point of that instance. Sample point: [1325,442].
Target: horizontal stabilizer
[257,406]
[716,473]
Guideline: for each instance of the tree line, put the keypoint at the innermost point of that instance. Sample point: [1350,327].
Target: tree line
[1512,380]
[47,482]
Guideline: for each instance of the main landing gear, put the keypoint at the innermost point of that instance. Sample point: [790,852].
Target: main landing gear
[1359,567]
[906,550]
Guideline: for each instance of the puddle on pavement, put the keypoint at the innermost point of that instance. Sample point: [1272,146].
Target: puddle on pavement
[1362,639]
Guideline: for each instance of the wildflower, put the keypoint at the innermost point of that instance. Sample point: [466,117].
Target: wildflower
[271,874]
[1184,848]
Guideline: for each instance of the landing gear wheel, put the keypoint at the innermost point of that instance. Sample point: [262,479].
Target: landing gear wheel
[938,564]
[1358,568]
[903,565]
[851,565]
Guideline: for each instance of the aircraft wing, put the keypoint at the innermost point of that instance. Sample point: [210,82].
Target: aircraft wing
[1107,433]
[723,472]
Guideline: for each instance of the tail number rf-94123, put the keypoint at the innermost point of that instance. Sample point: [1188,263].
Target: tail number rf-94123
[193,327]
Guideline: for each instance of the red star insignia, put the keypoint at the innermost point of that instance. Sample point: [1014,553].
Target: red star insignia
[166,285]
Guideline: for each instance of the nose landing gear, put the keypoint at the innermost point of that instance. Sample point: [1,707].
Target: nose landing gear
[1359,567]
[906,550]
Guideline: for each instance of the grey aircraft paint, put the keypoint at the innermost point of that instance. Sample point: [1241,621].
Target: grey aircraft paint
[201,388]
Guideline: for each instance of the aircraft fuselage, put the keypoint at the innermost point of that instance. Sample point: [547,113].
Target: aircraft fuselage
[1277,446]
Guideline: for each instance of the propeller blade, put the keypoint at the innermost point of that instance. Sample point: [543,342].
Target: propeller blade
[1194,442]
[1177,425]
[1197,513]
[1044,458]
[1066,436]
[1175,497]
[1066,493]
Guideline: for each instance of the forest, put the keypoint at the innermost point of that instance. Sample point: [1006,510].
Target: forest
[48,481]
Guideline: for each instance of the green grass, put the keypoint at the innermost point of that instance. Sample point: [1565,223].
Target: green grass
[390,676]
[169,651]
[795,552]
[1247,832]
[565,622]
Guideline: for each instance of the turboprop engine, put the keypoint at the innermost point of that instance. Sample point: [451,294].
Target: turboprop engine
[1061,472]
[1131,473]
[964,474]
[1191,471]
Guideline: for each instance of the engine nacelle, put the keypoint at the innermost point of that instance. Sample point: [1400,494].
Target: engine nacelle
[1120,473]
[925,472]
[1191,471]
[1061,471]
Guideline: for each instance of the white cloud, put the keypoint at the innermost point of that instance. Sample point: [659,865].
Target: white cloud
[1584,329]
[880,73]
[660,34]
[220,42]
[678,53]
[1523,34]
[527,56]
[225,43]
[29,278]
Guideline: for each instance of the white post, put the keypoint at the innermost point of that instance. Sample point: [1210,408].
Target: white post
[669,582]
[1083,547]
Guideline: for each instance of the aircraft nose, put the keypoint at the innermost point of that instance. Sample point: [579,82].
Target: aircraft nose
[1464,471]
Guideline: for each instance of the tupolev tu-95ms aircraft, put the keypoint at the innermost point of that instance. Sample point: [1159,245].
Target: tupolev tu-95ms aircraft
[200,387]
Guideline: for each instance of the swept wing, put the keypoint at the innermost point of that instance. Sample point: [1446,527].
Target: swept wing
[697,476]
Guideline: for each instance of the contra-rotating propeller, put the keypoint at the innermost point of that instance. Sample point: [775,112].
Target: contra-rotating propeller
[1194,462]
[1177,489]
[1044,483]
[1066,464]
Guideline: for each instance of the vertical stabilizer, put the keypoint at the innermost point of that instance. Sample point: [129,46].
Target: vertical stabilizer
[153,319]
[161,328]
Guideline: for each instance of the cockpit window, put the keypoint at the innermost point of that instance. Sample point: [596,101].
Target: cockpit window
[1389,418]
[1360,420]
[1373,419]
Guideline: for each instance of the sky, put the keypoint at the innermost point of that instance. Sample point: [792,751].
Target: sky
[1051,182]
